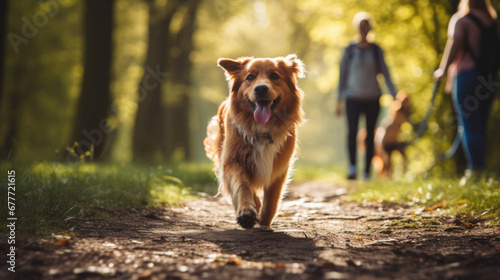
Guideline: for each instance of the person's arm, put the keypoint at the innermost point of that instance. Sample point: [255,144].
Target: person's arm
[451,49]
[385,72]
[342,82]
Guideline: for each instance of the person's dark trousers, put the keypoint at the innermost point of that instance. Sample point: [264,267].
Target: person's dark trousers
[354,108]
[472,98]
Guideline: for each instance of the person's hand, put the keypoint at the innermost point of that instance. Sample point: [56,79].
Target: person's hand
[338,110]
[438,74]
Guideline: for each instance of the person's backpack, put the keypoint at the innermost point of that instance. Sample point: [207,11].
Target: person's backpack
[488,60]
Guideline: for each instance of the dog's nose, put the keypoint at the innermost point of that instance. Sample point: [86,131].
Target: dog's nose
[261,91]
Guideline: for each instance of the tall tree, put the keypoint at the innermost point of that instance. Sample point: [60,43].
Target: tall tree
[4,6]
[178,109]
[10,144]
[90,129]
[6,147]
[149,135]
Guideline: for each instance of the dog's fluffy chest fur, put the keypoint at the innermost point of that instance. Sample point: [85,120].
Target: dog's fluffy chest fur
[263,154]
[257,152]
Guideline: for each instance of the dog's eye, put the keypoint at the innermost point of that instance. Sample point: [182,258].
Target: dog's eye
[250,77]
[275,76]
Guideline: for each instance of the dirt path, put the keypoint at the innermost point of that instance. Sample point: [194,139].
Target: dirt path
[316,236]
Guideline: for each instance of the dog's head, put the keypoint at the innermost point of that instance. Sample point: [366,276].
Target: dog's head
[401,105]
[264,90]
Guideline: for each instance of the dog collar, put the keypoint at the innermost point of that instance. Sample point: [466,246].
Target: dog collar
[263,137]
[255,137]
[269,137]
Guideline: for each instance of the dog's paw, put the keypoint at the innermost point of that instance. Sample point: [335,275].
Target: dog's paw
[264,229]
[247,219]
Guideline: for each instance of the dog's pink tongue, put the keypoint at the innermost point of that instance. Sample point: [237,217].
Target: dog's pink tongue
[262,113]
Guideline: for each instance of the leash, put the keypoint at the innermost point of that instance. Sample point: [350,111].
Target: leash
[423,126]
[423,123]
[456,143]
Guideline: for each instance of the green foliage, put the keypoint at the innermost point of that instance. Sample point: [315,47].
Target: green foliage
[49,193]
[46,73]
[88,156]
[411,33]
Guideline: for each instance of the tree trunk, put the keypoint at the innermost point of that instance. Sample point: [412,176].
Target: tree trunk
[178,110]
[10,145]
[149,132]
[4,6]
[90,130]
[7,144]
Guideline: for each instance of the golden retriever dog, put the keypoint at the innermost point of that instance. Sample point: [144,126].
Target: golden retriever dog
[253,138]
[386,136]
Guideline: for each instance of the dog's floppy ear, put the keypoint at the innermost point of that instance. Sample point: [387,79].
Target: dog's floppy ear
[232,67]
[295,65]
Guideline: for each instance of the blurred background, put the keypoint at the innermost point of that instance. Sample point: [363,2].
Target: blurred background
[137,80]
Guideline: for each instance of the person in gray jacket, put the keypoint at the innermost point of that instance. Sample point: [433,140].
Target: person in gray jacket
[358,85]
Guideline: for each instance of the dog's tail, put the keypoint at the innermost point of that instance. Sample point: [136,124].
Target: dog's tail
[215,135]
[378,166]
[211,142]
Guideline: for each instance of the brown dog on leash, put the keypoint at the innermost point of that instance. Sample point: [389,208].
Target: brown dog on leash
[386,136]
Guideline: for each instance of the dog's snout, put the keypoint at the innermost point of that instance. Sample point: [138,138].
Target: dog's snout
[261,91]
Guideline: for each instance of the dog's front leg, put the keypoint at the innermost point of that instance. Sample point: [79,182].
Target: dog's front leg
[272,198]
[237,182]
[405,159]
[386,170]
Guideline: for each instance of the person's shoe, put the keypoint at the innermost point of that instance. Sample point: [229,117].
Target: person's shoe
[352,173]
[466,177]
[366,176]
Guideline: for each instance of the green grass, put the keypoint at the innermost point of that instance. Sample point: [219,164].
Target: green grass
[319,173]
[48,193]
[476,197]
[472,197]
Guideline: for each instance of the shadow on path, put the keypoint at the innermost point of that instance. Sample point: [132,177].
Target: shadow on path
[264,246]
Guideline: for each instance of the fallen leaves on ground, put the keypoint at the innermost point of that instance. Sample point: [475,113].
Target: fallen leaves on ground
[441,204]
[233,261]
[63,240]
[285,215]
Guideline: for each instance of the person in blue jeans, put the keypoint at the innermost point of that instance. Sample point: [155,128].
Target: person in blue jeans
[361,63]
[474,88]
